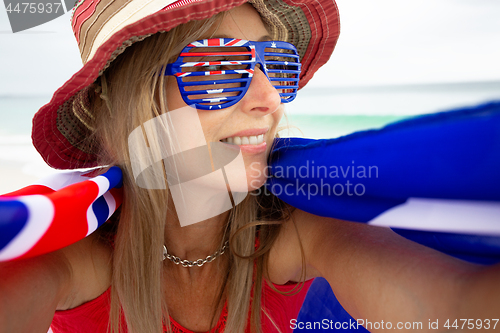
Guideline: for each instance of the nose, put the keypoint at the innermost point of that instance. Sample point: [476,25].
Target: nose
[261,95]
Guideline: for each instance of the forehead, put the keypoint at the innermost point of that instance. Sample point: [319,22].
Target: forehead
[242,22]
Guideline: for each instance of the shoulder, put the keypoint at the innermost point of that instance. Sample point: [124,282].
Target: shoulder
[297,240]
[371,269]
[310,241]
[89,262]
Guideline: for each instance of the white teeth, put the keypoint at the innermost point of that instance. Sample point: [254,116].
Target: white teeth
[245,140]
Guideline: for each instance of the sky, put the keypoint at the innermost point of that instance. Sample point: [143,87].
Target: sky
[383,42]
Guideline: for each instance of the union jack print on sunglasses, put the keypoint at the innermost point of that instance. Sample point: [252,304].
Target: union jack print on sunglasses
[215,73]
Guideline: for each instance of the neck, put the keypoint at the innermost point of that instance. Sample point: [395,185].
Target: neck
[195,241]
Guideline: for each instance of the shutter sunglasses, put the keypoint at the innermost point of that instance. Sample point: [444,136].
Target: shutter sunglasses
[215,73]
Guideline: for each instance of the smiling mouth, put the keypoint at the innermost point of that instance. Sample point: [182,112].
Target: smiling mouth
[244,140]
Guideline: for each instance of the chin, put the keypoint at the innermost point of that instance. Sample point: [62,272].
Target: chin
[257,174]
[255,184]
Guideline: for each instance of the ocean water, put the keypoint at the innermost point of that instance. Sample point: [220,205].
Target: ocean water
[332,126]
[316,113]
[20,163]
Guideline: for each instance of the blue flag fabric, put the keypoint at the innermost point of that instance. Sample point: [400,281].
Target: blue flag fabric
[434,179]
[448,155]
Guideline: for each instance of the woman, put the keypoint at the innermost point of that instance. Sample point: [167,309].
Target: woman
[259,275]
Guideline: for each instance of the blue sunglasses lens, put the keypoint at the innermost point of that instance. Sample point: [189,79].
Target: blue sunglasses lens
[215,73]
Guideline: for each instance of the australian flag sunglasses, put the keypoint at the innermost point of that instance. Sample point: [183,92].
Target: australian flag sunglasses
[214,74]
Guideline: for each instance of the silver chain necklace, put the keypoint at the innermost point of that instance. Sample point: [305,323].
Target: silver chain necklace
[199,262]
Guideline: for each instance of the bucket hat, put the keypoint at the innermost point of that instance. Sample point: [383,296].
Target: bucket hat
[105,28]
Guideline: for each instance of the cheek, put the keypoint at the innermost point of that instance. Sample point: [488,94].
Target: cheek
[211,122]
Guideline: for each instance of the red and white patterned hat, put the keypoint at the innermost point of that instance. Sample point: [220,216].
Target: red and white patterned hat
[105,28]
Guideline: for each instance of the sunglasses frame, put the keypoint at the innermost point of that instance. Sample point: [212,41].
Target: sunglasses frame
[257,52]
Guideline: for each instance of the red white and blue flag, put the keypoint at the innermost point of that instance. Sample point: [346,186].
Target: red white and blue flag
[56,212]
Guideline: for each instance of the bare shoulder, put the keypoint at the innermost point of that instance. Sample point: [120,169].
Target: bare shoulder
[297,239]
[319,240]
[90,262]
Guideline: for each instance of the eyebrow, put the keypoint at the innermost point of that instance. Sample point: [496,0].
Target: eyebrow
[261,39]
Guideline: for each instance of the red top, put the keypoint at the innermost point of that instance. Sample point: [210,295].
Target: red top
[93,316]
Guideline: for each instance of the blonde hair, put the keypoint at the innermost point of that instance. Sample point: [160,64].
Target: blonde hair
[127,97]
